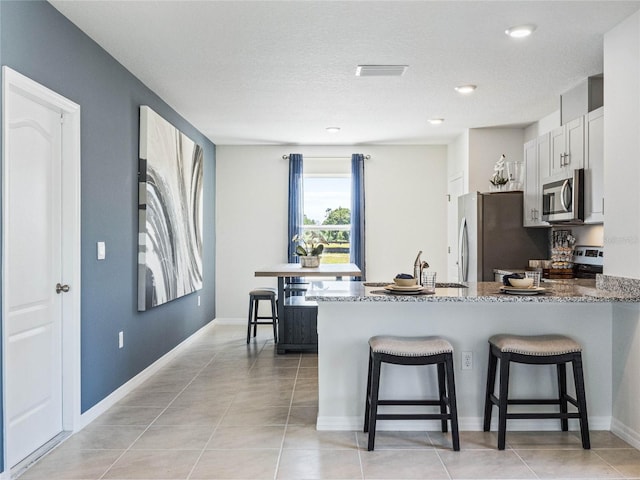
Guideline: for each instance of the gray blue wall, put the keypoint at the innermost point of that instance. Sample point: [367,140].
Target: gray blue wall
[39,42]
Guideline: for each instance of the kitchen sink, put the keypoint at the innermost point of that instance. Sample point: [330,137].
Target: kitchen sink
[438,285]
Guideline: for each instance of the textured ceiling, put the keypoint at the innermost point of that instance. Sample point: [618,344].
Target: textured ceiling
[274,72]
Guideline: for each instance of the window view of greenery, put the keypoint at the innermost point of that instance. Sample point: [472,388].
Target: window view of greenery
[325,212]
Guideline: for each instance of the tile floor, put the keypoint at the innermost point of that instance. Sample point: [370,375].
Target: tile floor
[225,410]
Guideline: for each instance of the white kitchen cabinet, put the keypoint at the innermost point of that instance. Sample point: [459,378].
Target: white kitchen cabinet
[536,160]
[567,149]
[594,166]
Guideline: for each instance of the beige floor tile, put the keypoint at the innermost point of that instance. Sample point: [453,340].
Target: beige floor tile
[154,464]
[625,461]
[303,415]
[468,440]
[319,464]
[257,416]
[307,437]
[545,439]
[273,398]
[176,437]
[604,439]
[198,414]
[72,464]
[103,437]
[236,464]
[148,398]
[490,464]
[567,463]
[305,396]
[124,415]
[246,437]
[396,440]
[402,464]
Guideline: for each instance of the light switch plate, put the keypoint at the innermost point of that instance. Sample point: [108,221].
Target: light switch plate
[102,251]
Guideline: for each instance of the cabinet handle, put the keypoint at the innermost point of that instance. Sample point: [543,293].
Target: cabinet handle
[603,205]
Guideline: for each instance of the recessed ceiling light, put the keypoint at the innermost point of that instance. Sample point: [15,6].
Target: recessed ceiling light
[380,70]
[333,129]
[465,89]
[520,31]
[436,121]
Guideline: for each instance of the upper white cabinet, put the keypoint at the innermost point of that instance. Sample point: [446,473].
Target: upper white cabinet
[554,155]
[567,149]
[594,166]
[536,160]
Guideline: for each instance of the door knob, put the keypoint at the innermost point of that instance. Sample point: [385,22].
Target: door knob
[62,288]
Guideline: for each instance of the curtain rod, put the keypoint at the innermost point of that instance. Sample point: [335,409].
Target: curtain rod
[286,157]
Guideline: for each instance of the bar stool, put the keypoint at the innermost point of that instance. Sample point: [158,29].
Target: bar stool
[254,299]
[535,350]
[411,351]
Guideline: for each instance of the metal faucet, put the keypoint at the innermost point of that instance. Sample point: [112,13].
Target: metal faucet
[418,267]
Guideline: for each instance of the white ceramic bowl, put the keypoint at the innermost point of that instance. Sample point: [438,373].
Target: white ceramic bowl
[521,282]
[404,282]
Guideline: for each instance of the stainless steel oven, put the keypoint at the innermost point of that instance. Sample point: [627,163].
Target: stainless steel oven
[563,200]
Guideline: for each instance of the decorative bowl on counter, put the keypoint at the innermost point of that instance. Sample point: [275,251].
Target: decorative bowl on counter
[521,282]
[404,282]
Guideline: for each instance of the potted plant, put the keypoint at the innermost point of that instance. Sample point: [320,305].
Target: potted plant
[310,247]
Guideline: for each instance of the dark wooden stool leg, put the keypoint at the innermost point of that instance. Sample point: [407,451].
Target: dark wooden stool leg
[505,360]
[453,404]
[367,404]
[249,318]
[442,391]
[581,399]
[491,385]
[562,394]
[274,317]
[255,316]
[373,412]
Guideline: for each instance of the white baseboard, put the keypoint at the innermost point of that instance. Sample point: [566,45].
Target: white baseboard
[625,433]
[98,409]
[471,424]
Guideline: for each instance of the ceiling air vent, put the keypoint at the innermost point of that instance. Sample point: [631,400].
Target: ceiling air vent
[380,70]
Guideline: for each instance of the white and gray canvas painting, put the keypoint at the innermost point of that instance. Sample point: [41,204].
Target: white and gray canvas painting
[170,212]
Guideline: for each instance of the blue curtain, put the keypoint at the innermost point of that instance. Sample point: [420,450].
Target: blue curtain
[357,213]
[296,198]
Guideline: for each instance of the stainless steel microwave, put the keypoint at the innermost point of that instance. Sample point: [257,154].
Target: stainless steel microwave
[563,200]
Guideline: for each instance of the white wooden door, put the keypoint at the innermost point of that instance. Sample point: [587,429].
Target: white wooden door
[33,309]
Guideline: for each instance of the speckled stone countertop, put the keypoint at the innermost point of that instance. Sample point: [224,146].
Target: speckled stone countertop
[559,291]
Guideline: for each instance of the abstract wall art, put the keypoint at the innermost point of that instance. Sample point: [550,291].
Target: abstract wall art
[170,212]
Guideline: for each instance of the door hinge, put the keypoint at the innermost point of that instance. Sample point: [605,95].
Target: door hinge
[62,118]
[448,249]
[448,197]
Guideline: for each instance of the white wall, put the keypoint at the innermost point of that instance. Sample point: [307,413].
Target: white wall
[622,148]
[621,239]
[405,211]
[485,147]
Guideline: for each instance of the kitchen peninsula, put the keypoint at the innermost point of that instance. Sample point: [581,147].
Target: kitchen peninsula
[349,313]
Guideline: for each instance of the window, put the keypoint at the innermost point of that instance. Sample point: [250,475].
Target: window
[326,205]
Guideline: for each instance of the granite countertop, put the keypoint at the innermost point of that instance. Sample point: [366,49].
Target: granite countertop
[563,291]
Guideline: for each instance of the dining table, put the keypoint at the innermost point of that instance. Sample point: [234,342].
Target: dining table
[297,317]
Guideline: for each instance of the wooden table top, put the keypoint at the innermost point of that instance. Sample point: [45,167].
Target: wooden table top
[295,270]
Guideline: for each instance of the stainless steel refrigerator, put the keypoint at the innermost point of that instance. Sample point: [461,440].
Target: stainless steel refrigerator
[491,235]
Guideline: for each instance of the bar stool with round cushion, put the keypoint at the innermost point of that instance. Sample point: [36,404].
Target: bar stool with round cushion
[254,299]
[535,350]
[411,351]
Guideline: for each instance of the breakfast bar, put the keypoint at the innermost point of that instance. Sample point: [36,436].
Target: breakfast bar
[296,314]
[349,313]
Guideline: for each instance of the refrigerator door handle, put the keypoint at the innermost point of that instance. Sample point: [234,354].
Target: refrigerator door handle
[463,252]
